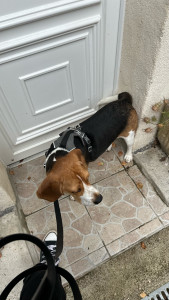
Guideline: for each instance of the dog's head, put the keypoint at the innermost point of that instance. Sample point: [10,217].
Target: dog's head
[69,175]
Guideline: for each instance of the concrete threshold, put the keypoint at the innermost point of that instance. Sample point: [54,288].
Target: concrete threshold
[154,164]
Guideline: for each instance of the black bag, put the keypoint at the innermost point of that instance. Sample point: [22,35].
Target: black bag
[50,287]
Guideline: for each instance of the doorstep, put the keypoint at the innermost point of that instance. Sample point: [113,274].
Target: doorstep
[154,163]
[131,210]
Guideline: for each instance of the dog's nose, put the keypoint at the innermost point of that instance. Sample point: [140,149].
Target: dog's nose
[98,199]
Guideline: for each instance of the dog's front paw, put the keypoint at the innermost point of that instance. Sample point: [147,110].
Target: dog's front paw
[71,198]
[109,148]
[128,158]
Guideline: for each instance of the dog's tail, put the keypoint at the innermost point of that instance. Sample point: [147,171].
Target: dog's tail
[125,96]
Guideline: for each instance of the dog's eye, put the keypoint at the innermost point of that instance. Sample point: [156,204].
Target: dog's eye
[78,191]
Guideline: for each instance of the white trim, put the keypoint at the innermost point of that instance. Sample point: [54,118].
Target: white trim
[15,127]
[24,78]
[119,44]
[7,155]
[112,36]
[45,47]
[56,124]
[48,33]
[43,11]
[30,147]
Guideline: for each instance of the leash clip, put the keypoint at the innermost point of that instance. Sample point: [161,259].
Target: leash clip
[90,149]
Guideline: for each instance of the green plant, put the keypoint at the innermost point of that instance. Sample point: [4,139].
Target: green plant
[161,107]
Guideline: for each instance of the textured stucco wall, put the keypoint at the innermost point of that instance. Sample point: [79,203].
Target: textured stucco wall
[7,197]
[144,69]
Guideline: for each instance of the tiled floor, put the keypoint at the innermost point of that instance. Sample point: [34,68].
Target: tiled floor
[130,211]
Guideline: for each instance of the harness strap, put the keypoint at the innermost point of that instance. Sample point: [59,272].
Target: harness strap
[84,138]
[66,141]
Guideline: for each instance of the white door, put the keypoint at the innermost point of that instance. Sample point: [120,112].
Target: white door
[57,60]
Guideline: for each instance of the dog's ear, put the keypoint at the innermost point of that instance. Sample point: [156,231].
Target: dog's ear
[79,156]
[81,164]
[49,189]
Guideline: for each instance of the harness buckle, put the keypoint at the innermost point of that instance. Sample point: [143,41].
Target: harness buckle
[90,149]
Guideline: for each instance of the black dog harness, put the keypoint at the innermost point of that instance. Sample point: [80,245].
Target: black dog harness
[66,143]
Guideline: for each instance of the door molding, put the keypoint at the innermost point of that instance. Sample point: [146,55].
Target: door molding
[36,37]
[44,11]
[89,35]
[65,66]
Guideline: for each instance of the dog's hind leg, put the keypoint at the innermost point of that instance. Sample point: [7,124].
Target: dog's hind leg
[128,134]
[129,142]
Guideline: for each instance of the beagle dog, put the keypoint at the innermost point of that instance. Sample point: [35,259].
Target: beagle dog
[68,157]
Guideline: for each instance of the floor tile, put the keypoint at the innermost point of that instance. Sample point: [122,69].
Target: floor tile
[86,264]
[122,210]
[105,166]
[148,191]
[26,178]
[154,164]
[165,218]
[149,228]
[131,238]
[80,235]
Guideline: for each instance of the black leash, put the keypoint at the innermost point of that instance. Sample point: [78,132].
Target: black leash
[59,224]
[53,279]
[51,271]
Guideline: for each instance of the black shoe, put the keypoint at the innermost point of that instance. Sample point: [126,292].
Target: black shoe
[50,241]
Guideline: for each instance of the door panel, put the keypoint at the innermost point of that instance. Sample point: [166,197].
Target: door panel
[50,79]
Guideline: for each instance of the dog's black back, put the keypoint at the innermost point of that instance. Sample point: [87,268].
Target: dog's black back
[106,124]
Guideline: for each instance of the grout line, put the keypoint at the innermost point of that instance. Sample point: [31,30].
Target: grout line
[86,256]
[142,238]
[47,205]
[131,232]
[108,176]
[161,222]
[36,211]
[150,205]
[27,159]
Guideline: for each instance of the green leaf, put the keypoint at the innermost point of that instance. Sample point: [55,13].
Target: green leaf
[154,119]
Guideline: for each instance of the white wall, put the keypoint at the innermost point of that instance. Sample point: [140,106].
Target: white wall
[144,69]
